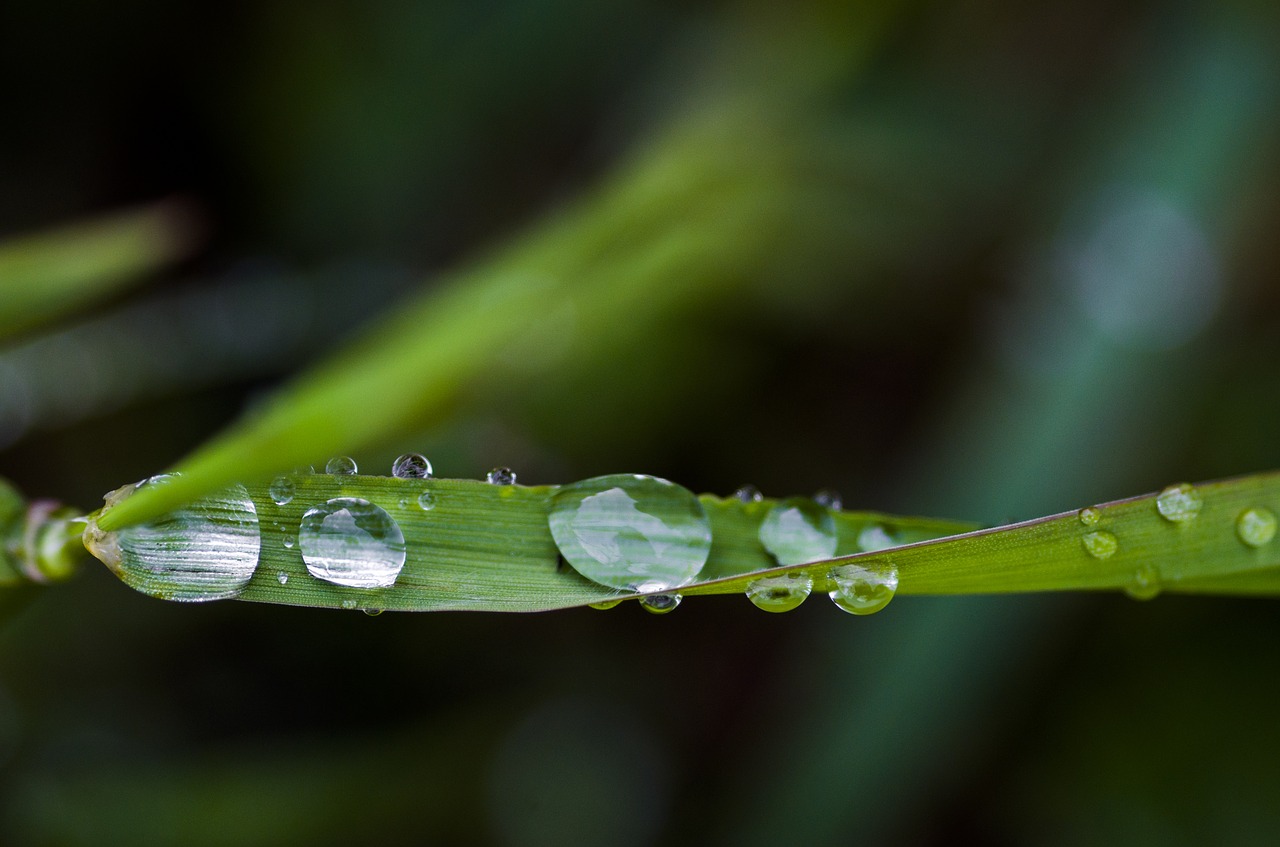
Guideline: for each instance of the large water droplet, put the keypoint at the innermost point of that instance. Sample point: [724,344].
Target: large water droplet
[1256,526]
[1179,503]
[629,531]
[352,542]
[282,490]
[411,466]
[1100,544]
[780,593]
[748,494]
[862,590]
[207,550]
[341,466]
[1090,516]
[798,530]
[1145,584]
[660,604]
[501,476]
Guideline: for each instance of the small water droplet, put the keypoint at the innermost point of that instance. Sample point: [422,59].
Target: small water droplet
[341,466]
[660,604]
[282,489]
[350,541]
[348,604]
[780,593]
[1089,516]
[604,604]
[863,590]
[426,501]
[1256,526]
[1179,503]
[1145,584]
[411,466]
[373,613]
[289,541]
[631,532]
[829,498]
[158,479]
[875,537]
[797,531]
[1100,544]
[748,494]
[501,476]
[282,578]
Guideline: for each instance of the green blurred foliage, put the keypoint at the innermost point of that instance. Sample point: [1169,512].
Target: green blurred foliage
[1046,282]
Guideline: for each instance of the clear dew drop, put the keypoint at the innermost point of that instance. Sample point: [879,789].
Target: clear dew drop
[748,494]
[350,541]
[1256,526]
[780,593]
[411,466]
[797,531]
[829,498]
[863,590]
[282,490]
[349,604]
[289,541]
[660,604]
[875,537]
[631,532]
[282,578]
[1145,584]
[426,501]
[373,613]
[341,466]
[1179,503]
[206,550]
[1089,516]
[604,605]
[501,476]
[1100,544]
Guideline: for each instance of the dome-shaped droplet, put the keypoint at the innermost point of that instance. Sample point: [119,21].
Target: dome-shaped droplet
[748,494]
[349,604]
[1089,516]
[282,578]
[282,490]
[1179,503]
[863,590]
[632,532]
[780,593]
[352,542]
[605,604]
[1145,584]
[1100,544]
[660,604]
[341,466]
[289,541]
[426,501]
[501,476]
[373,612]
[411,466]
[206,550]
[797,531]
[1256,526]
[829,498]
[875,537]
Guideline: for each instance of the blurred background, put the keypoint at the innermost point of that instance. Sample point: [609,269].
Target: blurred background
[981,259]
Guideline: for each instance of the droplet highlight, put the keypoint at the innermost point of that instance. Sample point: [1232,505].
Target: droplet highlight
[863,590]
[660,604]
[748,494]
[1145,584]
[1089,516]
[282,490]
[501,476]
[631,532]
[1100,544]
[349,541]
[1256,526]
[411,466]
[780,593]
[1179,503]
[341,466]
[830,499]
[797,531]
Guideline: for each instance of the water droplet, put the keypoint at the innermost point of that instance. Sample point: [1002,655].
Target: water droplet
[426,501]
[289,541]
[341,466]
[660,604]
[206,550]
[1179,503]
[748,494]
[1145,584]
[373,613]
[348,604]
[158,479]
[830,499]
[411,466]
[282,578]
[1256,526]
[1100,544]
[604,604]
[875,537]
[780,593]
[632,532]
[1089,516]
[349,541]
[501,476]
[797,531]
[862,590]
[282,489]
